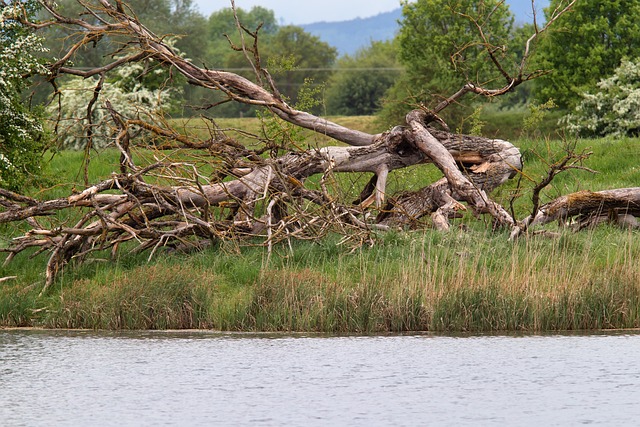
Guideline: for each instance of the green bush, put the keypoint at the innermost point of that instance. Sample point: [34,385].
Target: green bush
[614,109]
[22,136]
[137,90]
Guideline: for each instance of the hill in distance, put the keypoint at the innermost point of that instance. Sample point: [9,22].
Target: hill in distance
[349,36]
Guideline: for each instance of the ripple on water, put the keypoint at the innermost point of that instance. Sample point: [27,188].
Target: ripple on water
[87,378]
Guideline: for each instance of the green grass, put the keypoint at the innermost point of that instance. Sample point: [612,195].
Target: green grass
[509,124]
[253,128]
[409,281]
[421,281]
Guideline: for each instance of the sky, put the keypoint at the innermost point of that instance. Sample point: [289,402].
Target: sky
[300,12]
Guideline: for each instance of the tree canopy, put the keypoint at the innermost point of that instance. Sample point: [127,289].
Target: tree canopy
[442,47]
[439,40]
[178,18]
[586,46]
[295,57]
[222,29]
[361,81]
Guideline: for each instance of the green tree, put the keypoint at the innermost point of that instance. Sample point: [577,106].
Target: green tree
[585,46]
[222,28]
[297,59]
[361,81]
[22,136]
[439,46]
[188,25]
[522,94]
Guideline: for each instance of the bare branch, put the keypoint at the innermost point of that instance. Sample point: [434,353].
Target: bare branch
[512,80]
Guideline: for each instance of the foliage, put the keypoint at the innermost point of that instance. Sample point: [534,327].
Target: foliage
[521,96]
[585,46]
[311,59]
[538,112]
[362,80]
[178,19]
[186,24]
[291,54]
[22,136]
[475,122]
[614,109]
[439,46]
[137,89]
[221,29]
[283,135]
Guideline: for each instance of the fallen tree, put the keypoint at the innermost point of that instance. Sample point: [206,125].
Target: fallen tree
[171,203]
[589,208]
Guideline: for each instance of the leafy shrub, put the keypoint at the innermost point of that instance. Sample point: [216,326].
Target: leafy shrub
[614,109]
[137,90]
[22,136]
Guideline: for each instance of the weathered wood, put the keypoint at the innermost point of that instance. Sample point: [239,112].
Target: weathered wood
[588,208]
[460,184]
[585,204]
[479,166]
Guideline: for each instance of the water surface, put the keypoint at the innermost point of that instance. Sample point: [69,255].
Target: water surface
[52,378]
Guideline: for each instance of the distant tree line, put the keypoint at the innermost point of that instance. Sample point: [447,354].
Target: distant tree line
[591,55]
[430,55]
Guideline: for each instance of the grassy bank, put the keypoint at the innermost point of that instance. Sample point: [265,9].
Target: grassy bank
[427,281]
[471,280]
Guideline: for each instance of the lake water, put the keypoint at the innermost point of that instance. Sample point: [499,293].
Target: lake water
[61,378]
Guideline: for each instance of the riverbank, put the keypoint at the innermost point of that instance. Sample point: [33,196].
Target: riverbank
[468,280]
[458,282]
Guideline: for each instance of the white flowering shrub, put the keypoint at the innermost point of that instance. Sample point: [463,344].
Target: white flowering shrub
[22,136]
[134,91]
[614,109]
